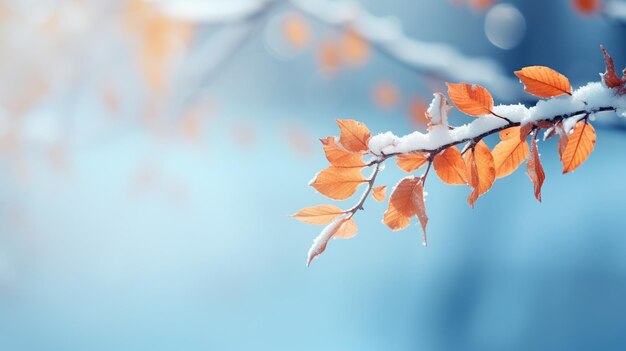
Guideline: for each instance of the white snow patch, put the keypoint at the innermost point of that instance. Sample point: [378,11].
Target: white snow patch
[319,243]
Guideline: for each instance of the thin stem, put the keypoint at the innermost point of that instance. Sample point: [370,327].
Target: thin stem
[370,185]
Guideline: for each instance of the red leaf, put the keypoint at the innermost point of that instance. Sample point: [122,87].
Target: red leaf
[609,76]
[534,169]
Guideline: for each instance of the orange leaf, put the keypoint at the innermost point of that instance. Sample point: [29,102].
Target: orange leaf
[544,82]
[450,166]
[402,204]
[481,172]
[586,7]
[379,193]
[534,169]
[329,57]
[354,135]
[385,94]
[610,77]
[563,137]
[338,183]
[579,145]
[355,49]
[296,31]
[509,153]
[339,157]
[318,214]
[411,162]
[417,196]
[346,230]
[470,99]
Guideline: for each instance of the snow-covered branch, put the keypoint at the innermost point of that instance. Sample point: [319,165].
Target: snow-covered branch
[590,99]
[563,112]
[388,38]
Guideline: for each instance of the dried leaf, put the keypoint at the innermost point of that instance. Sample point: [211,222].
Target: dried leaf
[610,76]
[579,145]
[480,170]
[450,167]
[338,183]
[354,135]
[534,169]
[401,204]
[481,5]
[379,193]
[544,82]
[321,214]
[470,99]
[417,197]
[411,162]
[339,157]
[509,153]
[525,130]
[296,30]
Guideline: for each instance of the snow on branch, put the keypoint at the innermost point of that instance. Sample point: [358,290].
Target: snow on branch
[389,39]
[563,112]
[588,100]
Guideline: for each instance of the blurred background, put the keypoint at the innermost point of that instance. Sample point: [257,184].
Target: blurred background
[151,153]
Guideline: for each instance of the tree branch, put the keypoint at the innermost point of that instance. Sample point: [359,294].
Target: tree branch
[388,39]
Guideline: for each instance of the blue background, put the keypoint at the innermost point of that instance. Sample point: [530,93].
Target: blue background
[206,258]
